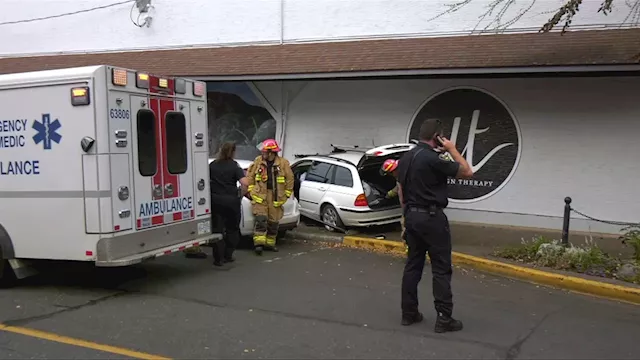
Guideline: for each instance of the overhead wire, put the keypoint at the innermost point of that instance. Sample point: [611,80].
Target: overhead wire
[66,14]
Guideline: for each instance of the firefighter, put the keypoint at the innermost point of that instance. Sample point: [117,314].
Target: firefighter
[390,166]
[270,185]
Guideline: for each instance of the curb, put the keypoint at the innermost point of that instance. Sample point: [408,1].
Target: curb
[302,235]
[573,283]
[585,286]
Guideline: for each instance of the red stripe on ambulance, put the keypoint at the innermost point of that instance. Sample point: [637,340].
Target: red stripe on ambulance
[157,178]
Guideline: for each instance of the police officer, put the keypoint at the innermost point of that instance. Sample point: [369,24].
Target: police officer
[423,174]
[270,185]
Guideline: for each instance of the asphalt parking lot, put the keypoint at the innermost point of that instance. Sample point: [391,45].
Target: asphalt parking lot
[307,301]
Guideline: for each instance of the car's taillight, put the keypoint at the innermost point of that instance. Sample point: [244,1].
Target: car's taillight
[361,200]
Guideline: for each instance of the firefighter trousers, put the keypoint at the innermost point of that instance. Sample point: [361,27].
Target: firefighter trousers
[267,218]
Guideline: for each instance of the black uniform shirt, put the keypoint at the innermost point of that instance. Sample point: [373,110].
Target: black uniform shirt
[223,176]
[424,183]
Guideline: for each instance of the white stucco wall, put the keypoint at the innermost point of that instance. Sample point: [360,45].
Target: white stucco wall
[223,22]
[579,139]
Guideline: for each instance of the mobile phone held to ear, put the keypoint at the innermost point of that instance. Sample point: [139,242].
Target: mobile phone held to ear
[439,141]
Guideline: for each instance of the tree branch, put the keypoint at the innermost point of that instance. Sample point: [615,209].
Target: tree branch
[564,14]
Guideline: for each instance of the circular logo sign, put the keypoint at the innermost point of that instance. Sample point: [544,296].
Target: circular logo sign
[485,134]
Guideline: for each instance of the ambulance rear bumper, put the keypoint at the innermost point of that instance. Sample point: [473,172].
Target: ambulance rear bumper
[150,255]
[135,247]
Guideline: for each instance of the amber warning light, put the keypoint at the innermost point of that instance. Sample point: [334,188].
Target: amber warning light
[163,83]
[142,80]
[119,77]
[80,96]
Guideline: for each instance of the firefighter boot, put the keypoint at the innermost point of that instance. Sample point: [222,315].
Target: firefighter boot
[260,233]
[272,234]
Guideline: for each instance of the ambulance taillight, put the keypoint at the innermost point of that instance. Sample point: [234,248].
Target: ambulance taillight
[80,96]
[180,86]
[119,77]
[163,83]
[142,80]
[198,89]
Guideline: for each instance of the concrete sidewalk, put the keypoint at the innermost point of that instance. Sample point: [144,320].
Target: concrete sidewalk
[476,239]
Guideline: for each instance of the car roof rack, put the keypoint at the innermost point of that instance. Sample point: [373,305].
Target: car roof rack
[297,156]
[327,156]
[345,148]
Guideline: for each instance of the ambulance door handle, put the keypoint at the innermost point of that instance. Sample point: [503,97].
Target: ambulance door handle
[121,143]
[157,191]
[199,143]
[169,189]
[199,136]
[124,213]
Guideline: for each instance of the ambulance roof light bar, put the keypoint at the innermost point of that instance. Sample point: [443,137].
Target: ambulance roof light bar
[198,88]
[180,86]
[119,77]
[142,80]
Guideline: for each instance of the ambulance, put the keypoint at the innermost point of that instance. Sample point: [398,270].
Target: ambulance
[101,164]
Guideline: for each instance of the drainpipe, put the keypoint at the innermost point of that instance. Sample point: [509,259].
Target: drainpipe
[284,110]
[281,22]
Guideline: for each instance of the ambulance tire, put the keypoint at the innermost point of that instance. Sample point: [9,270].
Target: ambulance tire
[7,276]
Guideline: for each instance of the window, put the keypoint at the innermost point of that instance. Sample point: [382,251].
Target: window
[146,130]
[176,131]
[343,177]
[318,172]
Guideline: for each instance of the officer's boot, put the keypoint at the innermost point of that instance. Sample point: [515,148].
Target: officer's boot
[258,249]
[446,323]
[410,320]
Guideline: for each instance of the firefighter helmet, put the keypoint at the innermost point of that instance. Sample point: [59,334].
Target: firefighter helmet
[388,166]
[270,145]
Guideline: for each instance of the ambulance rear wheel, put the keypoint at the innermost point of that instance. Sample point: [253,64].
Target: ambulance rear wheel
[4,272]
[7,277]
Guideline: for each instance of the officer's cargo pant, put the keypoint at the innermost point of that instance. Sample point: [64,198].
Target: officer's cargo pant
[427,231]
[267,218]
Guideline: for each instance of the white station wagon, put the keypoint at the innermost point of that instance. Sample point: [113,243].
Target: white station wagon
[345,188]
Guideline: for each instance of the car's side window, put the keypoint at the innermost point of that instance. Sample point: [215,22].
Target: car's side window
[319,172]
[342,177]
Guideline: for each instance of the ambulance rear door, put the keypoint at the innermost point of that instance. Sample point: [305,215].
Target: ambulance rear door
[163,175]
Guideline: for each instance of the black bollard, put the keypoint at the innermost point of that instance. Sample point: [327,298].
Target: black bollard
[565,223]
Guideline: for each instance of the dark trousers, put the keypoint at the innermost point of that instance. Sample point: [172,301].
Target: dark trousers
[427,232]
[225,215]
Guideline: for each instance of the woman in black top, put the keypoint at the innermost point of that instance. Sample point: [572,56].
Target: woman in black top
[224,173]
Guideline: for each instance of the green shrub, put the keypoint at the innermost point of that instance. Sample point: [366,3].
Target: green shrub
[631,238]
[527,250]
[587,258]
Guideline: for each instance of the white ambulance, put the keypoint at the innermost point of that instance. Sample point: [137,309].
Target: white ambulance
[101,164]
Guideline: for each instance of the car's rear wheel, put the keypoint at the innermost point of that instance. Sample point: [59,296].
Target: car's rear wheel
[331,219]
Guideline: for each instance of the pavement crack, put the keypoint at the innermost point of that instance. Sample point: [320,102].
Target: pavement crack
[63,309]
[514,350]
[408,332]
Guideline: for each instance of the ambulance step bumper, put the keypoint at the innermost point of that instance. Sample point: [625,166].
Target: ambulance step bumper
[152,254]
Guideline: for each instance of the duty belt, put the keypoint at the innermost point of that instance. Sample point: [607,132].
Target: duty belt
[429,209]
